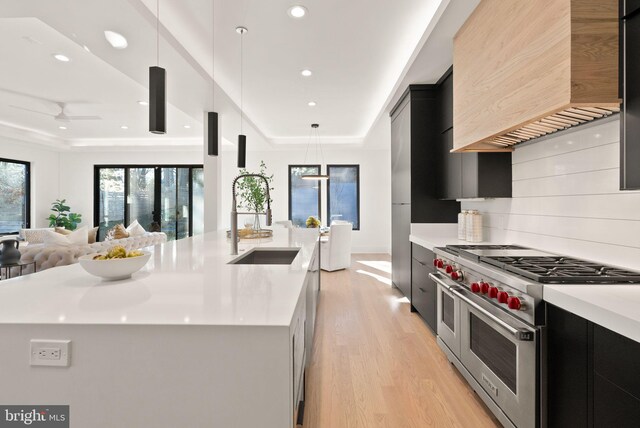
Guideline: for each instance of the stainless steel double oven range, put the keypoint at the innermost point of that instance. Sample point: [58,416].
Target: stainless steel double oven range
[491,319]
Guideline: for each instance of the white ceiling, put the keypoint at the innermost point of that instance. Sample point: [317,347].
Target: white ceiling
[360,51]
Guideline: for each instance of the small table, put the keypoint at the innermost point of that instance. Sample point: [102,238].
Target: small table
[21,265]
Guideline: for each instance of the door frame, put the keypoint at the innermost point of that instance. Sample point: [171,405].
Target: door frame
[157,193]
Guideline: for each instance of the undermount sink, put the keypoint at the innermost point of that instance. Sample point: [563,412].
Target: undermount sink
[267,256]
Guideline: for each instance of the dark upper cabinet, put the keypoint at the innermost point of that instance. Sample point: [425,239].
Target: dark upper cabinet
[630,88]
[446,101]
[416,170]
[452,168]
[401,155]
[468,175]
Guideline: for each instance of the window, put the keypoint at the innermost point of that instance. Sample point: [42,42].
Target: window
[343,194]
[14,196]
[162,198]
[304,195]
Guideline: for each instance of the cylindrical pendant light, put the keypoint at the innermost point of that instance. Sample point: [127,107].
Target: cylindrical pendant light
[242,139]
[157,88]
[157,100]
[242,151]
[212,133]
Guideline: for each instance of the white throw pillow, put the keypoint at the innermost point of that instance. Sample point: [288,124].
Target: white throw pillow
[77,237]
[135,229]
[35,236]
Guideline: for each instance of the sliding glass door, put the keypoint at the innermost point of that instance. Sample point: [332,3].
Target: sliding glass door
[162,198]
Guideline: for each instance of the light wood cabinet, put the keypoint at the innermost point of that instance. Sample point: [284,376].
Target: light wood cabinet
[524,69]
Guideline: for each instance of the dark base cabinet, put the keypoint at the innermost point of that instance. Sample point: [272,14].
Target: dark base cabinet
[593,374]
[423,289]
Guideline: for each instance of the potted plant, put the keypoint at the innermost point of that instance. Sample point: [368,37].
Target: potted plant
[313,222]
[62,217]
[252,194]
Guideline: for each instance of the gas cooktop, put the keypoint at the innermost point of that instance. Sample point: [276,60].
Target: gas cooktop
[544,267]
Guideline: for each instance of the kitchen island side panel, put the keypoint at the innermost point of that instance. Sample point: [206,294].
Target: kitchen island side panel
[155,376]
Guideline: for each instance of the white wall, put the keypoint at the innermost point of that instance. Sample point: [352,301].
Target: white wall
[566,198]
[76,170]
[374,235]
[44,175]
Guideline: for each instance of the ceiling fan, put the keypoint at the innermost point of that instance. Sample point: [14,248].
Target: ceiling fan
[62,116]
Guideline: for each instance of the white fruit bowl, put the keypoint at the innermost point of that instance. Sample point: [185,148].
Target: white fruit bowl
[114,269]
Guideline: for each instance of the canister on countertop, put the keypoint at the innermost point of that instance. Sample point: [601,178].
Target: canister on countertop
[462,235]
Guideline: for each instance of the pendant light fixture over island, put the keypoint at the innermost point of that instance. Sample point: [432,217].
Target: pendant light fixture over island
[242,139]
[157,88]
[314,130]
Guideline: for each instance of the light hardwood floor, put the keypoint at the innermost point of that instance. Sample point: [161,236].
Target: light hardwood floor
[375,364]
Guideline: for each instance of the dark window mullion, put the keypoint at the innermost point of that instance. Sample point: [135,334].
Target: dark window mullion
[127,190]
[190,201]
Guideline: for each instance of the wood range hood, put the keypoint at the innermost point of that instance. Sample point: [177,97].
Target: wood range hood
[524,69]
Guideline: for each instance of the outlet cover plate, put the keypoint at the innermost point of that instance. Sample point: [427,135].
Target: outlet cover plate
[55,353]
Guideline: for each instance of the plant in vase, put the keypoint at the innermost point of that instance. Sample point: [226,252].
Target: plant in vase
[62,217]
[252,194]
[313,222]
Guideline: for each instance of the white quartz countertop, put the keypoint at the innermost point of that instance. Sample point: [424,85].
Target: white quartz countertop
[616,307]
[188,281]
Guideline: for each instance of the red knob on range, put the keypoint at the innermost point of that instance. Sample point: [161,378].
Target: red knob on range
[448,268]
[440,264]
[493,292]
[484,287]
[435,262]
[475,287]
[503,296]
[514,303]
[456,275]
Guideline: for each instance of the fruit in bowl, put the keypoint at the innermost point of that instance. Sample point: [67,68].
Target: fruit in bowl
[115,264]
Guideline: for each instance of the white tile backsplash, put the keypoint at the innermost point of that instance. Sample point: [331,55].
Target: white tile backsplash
[566,198]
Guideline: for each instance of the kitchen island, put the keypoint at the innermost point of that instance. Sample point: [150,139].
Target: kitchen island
[190,340]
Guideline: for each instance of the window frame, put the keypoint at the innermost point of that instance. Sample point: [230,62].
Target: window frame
[27,193]
[319,167]
[357,168]
[157,196]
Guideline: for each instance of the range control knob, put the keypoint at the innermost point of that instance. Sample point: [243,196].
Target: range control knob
[457,275]
[435,262]
[484,287]
[503,297]
[493,292]
[514,303]
[475,287]
[440,263]
[448,268]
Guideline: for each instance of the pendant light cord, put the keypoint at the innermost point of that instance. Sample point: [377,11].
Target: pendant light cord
[158,32]
[308,144]
[241,80]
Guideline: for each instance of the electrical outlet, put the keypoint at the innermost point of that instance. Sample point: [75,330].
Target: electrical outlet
[50,353]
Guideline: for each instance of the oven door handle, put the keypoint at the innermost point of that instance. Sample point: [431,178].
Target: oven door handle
[521,334]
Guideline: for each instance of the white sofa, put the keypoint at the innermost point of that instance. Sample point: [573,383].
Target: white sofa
[48,257]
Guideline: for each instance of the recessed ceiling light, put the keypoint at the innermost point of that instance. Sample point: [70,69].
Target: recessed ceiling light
[187,126]
[312,104]
[124,127]
[86,48]
[62,127]
[116,40]
[143,103]
[297,11]
[306,73]
[61,58]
